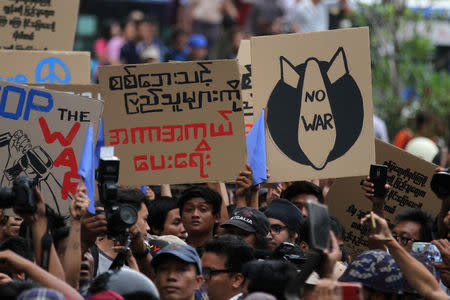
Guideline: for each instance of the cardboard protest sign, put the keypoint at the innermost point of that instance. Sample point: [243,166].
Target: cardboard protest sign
[86,90]
[317,91]
[42,137]
[245,67]
[174,122]
[409,177]
[38,24]
[60,67]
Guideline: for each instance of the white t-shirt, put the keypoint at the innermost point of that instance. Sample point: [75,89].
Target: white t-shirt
[104,262]
[312,17]
[209,11]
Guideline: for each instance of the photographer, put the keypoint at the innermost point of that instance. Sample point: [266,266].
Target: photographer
[105,250]
[285,222]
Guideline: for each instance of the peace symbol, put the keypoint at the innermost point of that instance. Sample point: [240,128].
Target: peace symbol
[52,77]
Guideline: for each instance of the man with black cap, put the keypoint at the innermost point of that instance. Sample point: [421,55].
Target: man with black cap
[285,222]
[250,224]
[178,272]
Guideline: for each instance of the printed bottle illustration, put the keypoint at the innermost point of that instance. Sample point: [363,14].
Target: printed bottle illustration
[315,112]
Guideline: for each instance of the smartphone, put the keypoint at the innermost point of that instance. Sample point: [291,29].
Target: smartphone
[348,291]
[318,225]
[429,250]
[378,176]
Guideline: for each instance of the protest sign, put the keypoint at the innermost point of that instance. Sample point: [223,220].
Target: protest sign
[42,137]
[60,67]
[245,67]
[86,90]
[174,122]
[38,24]
[317,91]
[409,177]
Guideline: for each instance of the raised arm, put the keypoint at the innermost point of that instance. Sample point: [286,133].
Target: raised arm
[165,190]
[415,273]
[72,256]
[38,222]
[20,264]
[244,183]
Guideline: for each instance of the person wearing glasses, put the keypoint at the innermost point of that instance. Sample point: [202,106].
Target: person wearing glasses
[178,272]
[222,264]
[285,222]
[413,225]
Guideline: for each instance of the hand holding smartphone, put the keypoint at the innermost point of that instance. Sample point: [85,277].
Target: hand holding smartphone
[378,176]
[319,225]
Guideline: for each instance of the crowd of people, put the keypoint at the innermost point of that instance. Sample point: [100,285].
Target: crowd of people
[217,241]
[210,29]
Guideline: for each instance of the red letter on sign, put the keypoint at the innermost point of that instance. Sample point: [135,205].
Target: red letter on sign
[67,158]
[51,137]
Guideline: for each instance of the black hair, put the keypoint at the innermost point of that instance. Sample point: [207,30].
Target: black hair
[12,289]
[234,248]
[20,246]
[176,32]
[269,276]
[59,235]
[302,187]
[336,227]
[423,218]
[158,210]
[211,197]
[134,197]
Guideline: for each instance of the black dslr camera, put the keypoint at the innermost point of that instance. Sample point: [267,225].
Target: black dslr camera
[119,216]
[291,253]
[20,196]
[440,184]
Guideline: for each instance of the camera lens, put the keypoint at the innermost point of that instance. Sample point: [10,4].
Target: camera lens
[6,197]
[440,184]
[128,214]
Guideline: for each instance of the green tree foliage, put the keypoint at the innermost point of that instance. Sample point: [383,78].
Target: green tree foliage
[403,59]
